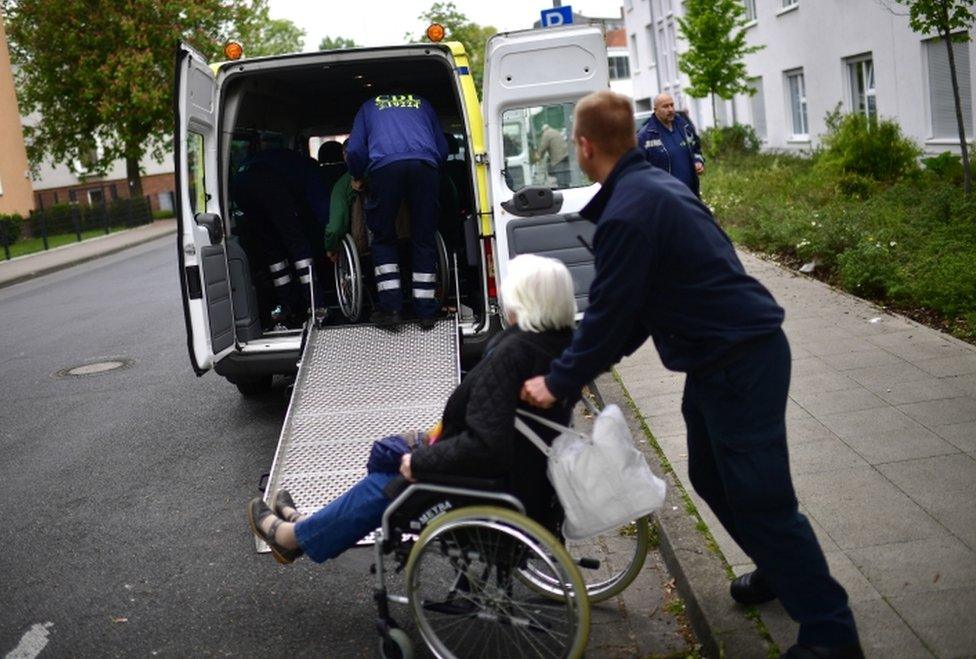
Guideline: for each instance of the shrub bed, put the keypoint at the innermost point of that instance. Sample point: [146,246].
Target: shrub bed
[908,242]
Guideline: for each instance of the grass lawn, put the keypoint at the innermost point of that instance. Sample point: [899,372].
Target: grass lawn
[909,245]
[32,245]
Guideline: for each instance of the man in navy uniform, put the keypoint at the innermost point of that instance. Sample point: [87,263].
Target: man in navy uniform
[669,142]
[398,144]
[666,270]
[284,209]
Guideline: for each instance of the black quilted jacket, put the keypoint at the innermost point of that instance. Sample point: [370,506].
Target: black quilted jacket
[479,438]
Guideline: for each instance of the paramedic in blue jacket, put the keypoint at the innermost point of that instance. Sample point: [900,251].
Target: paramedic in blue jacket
[669,142]
[398,144]
[666,270]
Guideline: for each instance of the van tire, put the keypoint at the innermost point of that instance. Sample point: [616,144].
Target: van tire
[255,387]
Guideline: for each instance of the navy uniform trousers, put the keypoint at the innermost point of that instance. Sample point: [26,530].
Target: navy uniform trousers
[738,463]
[418,182]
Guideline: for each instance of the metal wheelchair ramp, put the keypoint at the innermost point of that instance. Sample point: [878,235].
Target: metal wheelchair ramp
[356,384]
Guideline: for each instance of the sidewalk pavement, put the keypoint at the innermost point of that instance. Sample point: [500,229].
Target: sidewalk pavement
[40,263]
[882,437]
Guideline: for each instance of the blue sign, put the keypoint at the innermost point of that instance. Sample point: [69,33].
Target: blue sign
[557,16]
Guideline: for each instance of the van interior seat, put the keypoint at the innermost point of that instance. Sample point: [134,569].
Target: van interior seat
[331,163]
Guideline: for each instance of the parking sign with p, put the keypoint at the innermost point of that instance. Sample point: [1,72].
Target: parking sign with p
[557,16]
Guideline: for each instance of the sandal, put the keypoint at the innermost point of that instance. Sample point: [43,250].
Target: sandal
[257,511]
[281,500]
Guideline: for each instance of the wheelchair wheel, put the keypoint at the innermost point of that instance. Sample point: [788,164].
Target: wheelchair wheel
[608,563]
[444,272]
[467,600]
[349,280]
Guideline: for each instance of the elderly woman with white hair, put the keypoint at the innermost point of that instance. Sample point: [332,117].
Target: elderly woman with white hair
[476,438]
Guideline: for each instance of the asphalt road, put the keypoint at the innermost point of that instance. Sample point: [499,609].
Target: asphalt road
[122,495]
[123,492]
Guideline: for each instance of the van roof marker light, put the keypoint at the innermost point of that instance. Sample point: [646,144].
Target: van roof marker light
[233,50]
[435,32]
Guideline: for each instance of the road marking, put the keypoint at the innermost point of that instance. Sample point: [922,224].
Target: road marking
[33,641]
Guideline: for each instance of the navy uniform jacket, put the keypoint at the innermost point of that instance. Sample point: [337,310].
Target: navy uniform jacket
[393,127]
[665,270]
[653,137]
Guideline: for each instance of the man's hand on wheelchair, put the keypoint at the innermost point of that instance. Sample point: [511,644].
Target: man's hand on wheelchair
[358,184]
[405,470]
[333,255]
[536,393]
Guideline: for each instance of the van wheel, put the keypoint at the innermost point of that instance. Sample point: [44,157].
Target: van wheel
[255,387]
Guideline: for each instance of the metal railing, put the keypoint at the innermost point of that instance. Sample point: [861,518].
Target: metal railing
[61,220]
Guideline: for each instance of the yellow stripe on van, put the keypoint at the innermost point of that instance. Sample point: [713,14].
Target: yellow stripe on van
[472,105]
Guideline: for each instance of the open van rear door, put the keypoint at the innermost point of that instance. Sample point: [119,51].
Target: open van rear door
[532,82]
[200,228]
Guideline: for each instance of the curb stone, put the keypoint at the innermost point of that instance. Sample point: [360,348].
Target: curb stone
[701,574]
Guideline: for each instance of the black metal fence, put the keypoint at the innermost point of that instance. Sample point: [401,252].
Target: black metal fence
[68,219]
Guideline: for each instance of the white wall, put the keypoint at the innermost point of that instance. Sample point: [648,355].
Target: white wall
[57,175]
[643,62]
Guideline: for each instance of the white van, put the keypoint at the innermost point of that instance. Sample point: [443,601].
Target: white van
[531,78]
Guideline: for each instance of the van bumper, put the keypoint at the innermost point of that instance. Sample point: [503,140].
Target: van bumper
[238,367]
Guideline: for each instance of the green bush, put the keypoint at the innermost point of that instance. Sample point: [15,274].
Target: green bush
[873,149]
[868,269]
[67,218]
[946,166]
[725,141]
[11,227]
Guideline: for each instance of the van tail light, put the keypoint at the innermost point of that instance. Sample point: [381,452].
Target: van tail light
[490,263]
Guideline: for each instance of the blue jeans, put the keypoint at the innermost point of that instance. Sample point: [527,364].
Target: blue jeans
[738,463]
[345,521]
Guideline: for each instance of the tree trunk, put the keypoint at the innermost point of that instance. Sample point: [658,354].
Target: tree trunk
[714,112]
[133,176]
[967,172]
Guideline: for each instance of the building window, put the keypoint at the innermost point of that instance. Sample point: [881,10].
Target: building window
[798,104]
[619,67]
[750,9]
[861,73]
[790,3]
[942,105]
[633,50]
[651,45]
[757,103]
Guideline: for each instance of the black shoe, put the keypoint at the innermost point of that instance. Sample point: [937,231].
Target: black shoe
[281,500]
[257,511]
[751,588]
[427,322]
[816,652]
[383,318]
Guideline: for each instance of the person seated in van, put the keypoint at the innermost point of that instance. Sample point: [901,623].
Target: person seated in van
[344,194]
[477,437]
[553,148]
[397,141]
[283,206]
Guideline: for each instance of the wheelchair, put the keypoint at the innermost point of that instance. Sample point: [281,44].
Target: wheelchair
[484,579]
[353,279]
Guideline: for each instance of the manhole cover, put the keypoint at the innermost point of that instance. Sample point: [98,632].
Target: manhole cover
[94,368]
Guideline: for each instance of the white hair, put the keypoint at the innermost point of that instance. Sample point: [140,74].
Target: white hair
[539,292]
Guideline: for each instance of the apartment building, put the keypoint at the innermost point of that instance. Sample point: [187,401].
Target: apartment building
[15,184]
[816,54]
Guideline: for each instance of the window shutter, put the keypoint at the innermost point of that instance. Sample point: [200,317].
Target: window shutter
[941,102]
[758,103]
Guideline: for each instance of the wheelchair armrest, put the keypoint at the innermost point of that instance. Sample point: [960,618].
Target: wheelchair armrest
[469,482]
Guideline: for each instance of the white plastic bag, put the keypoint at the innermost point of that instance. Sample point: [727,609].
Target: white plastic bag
[603,481]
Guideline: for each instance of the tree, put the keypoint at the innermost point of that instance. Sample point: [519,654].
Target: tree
[716,39]
[458,27]
[262,35]
[337,43]
[100,73]
[951,20]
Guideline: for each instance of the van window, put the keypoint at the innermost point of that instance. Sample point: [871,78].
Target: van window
[538,147]
[195,169]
